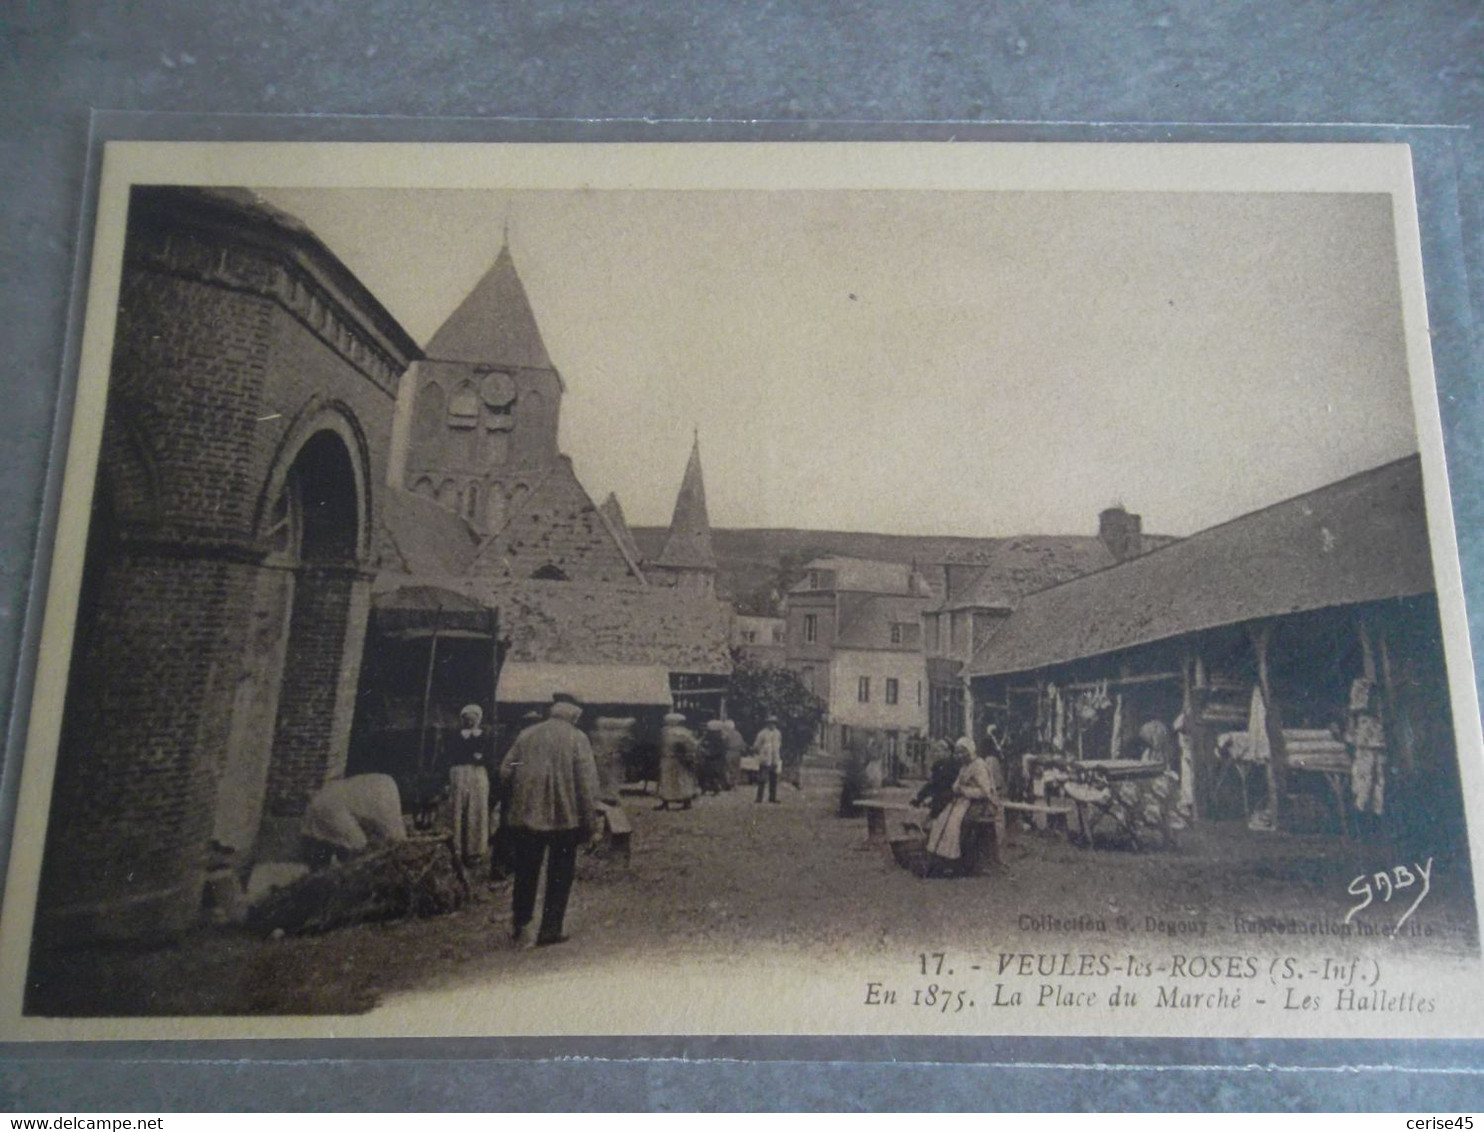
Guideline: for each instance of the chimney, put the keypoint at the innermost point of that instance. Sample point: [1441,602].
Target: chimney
[1122,533]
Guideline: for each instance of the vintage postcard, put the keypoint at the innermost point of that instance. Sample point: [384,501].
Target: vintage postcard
[751,589]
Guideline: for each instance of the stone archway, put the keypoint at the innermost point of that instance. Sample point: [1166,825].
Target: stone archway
[294,692]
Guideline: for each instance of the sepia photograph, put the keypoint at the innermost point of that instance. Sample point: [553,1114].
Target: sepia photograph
[751,589]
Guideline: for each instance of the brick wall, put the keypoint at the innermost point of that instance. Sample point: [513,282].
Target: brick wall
[317,702]
[229,354]
[186,382]
[133,800]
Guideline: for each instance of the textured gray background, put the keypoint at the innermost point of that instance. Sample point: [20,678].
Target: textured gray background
[1184,70]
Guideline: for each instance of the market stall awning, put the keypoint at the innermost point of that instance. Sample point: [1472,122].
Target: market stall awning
[419,611]
[524,682]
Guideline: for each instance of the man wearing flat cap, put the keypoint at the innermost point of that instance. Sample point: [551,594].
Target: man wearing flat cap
[552,785]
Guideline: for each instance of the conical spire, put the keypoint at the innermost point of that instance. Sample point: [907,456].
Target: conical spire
[688,546]
[494,324]
[612,511]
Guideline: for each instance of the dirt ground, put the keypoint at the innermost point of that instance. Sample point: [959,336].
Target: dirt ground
[729,875]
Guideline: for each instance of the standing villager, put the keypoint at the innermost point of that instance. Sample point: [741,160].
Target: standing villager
[861,775]
[768,747]
[1187,765]
[552,783]
[612,738]
[679,752]
[1158,745]
[471,750]
[736,750]
[1367,739]
[973,798]
[996,752]
[712,772]
[502,852]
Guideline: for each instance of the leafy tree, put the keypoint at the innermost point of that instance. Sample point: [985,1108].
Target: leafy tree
[766,598]
[761,690]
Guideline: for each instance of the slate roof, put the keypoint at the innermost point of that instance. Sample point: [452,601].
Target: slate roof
[494,324]
[688,546]
[1361,539]
[866,621]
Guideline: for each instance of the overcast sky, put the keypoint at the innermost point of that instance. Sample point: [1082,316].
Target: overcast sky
[929,362]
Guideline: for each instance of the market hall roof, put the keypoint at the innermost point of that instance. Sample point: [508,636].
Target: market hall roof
[688,546]
[1361,539]
[494,324]
[639,685]
[426,611]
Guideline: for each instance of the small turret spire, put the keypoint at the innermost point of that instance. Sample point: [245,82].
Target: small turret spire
[688,546]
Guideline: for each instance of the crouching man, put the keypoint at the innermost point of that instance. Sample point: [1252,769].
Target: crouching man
[551,781]
[349,816]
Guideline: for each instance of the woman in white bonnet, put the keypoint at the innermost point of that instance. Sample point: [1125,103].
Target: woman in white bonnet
[470,750]
[973,794]
[678,756]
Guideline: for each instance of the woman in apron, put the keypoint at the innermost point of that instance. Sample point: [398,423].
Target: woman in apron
[954,848]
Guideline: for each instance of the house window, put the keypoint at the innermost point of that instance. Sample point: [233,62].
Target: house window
[863,690]
[919,693]
[749,636]
[892,690]
[814,579]
[811,628]
[896,632]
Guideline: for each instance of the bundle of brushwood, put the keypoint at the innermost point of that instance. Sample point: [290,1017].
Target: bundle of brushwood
[421,878]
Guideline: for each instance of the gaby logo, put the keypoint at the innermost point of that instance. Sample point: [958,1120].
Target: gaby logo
[1389,883]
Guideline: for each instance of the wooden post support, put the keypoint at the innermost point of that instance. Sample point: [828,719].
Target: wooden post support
[1400,738]
[1277,766]
[422,732]
[1193,733]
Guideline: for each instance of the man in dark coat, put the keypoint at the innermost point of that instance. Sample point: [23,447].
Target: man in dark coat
[552,784]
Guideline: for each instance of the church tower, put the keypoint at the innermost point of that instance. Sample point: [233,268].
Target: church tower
[687,560]
[482,406]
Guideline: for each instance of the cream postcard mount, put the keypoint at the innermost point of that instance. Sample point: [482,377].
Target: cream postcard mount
[751,589]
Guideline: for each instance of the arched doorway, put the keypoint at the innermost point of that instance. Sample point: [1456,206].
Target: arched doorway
[290,706]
